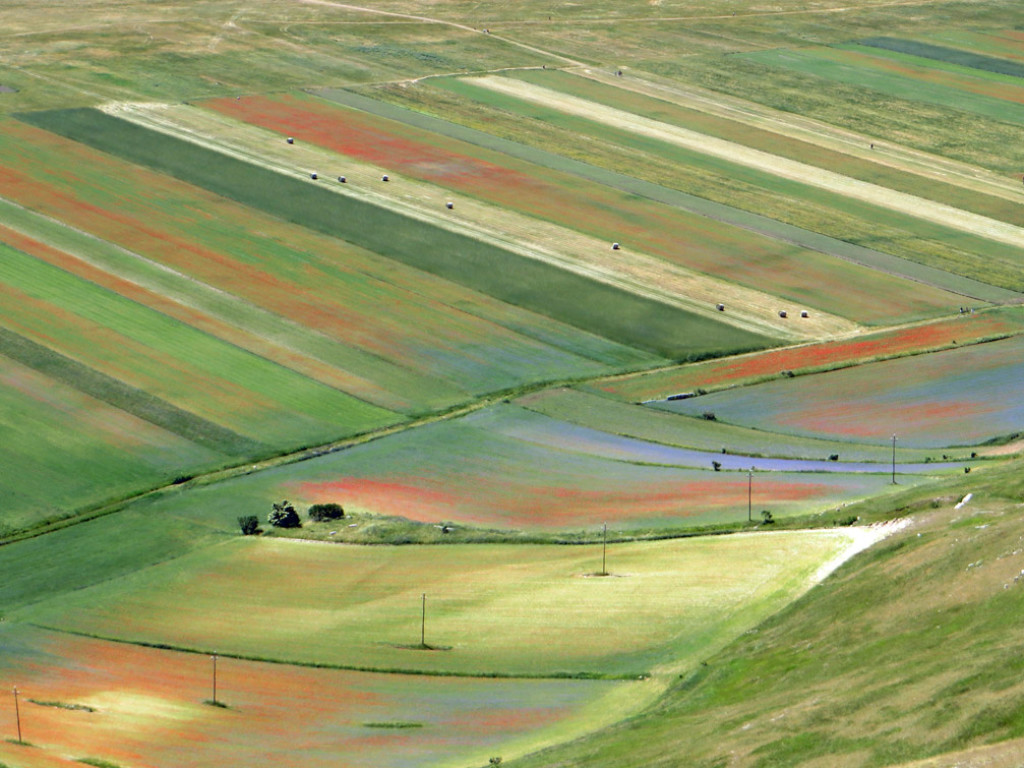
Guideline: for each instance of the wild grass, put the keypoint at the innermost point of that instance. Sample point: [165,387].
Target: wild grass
[97,762]
[913,84]
[64,705]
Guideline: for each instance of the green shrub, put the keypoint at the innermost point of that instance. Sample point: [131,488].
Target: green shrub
[330,511]
[284,516]
[250,525]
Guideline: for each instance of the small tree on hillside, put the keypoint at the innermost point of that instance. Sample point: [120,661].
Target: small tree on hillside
[330,511]
[250,525]
[284,516]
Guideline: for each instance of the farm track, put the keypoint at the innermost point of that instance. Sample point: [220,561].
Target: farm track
[923,164]
[900,202]
[567,249]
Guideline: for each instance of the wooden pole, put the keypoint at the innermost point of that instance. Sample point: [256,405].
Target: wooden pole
[604,551]
[894,459]
[750,494]
[423,622]
[214,659]
[17,713]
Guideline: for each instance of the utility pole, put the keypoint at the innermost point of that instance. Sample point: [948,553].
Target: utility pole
[894,459]
[214,660]
[604,551]
[750,494]
[423,622]
[17,713]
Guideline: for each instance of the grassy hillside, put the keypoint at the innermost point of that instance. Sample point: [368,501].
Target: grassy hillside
[911,650]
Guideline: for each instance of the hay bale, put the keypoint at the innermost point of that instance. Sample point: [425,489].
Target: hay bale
[290,140]
[615,246]
[342,179]
[782,313]
[721,307]
[449,206]
[803,313]
[385,178]
[313,176]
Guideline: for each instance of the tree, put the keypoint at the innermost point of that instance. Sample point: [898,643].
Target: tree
[284,516]
[250,525]
[768,519]
[330,511]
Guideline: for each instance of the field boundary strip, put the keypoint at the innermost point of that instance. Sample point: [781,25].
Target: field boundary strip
[639,321]
[762,225]
[611,676]
[900,202]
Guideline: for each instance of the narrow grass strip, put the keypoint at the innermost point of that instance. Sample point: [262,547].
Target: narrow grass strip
[350,667]
[579,301]
[946,55]
[129,399]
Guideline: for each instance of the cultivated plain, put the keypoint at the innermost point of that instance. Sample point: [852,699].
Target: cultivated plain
[615,328]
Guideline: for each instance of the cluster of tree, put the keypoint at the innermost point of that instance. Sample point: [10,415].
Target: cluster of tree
[330,511]
[284,515]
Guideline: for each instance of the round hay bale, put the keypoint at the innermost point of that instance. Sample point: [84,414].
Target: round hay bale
[342,179]
[615,246]
[721,307]
[313,176]
[290,140]
[385,178]
[803,313]
[449,206]
[782,313]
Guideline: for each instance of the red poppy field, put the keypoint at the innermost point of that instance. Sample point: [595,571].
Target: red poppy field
[959,330]
[316,282]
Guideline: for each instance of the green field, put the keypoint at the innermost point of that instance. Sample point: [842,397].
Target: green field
[489,606]
[195,330]
[609,311]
